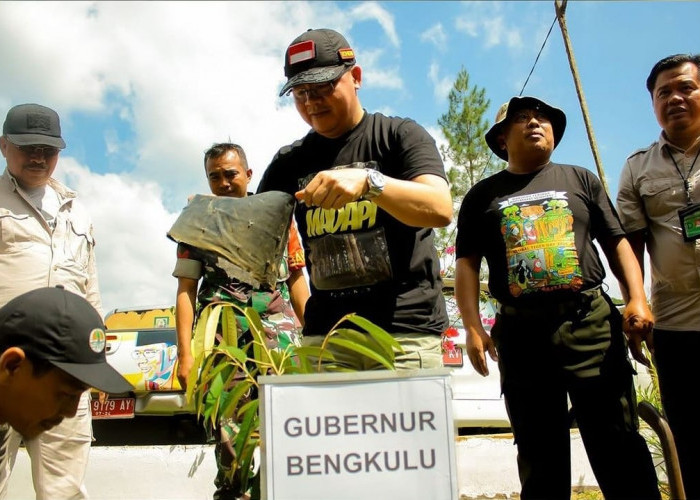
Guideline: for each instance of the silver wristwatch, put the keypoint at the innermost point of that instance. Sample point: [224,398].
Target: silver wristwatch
[376,182]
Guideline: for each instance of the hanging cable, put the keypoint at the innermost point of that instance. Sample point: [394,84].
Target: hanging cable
[454,229]
[538,56]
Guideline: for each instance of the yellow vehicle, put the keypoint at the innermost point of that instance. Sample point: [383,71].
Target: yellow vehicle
[142,346]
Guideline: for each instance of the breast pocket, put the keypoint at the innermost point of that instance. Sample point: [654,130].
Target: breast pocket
[17,231]
[78,243]
[658,193]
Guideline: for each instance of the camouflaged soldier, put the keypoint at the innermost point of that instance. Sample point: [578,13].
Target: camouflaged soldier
[216,265]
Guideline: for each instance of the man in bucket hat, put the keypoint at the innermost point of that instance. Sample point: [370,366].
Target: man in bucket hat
[371,188]
[46,240]
[557,333]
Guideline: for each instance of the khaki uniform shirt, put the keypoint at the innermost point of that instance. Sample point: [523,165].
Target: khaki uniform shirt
[33,255]
[651,192]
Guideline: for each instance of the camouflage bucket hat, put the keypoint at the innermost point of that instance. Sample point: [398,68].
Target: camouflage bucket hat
[555,115]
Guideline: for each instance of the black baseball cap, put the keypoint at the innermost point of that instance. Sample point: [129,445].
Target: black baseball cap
[555,115]
[316,56]
[64,329]
[30,124]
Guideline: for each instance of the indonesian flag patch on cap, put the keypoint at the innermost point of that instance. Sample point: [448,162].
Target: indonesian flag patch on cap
[302,51]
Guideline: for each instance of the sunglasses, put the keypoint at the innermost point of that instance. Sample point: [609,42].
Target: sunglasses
[317,91]
[33,150]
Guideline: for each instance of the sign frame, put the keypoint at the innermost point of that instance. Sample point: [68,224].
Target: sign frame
[372,434]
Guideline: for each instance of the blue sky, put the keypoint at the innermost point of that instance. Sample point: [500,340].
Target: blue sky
[143,88]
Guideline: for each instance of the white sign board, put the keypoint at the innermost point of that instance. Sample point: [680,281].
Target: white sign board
[371,435]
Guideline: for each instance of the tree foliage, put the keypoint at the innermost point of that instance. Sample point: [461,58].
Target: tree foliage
[467,156]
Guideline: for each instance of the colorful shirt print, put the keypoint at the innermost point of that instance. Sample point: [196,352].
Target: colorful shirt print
[540,245]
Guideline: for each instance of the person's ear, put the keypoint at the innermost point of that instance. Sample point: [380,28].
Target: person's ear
[3,146]
[249,174]
[501,140]
[356,73]
[11,360]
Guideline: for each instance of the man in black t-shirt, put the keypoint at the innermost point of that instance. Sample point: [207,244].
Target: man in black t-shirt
[370,190]
[557,333]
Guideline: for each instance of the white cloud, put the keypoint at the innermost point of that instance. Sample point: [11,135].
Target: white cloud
[376,74]
[435,35]
[441,85]
[486,21]
[514,39]
[374,11]
[176,76]
[468,26]
[180,75]
[135,259]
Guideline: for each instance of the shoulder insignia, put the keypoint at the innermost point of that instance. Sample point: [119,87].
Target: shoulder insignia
[642,150]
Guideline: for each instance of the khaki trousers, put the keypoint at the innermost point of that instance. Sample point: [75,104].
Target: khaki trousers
[422,350]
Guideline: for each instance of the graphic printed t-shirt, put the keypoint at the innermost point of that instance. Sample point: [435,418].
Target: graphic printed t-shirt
[359,258]
[536,232]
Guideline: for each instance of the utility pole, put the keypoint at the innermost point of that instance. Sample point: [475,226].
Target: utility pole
[560,8]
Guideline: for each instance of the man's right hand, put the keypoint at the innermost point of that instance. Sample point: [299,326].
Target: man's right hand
[184,367]
[638,325]
[478,341]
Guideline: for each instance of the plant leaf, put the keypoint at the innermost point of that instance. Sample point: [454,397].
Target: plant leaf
[234,398]
[383,338]
[360,349]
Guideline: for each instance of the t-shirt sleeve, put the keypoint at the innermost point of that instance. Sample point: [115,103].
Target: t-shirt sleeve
[469,225]
[418,152]
[629,203]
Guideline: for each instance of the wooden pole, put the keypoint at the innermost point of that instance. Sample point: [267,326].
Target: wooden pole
[560,8]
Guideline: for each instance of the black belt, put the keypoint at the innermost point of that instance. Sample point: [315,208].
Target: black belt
[547,308]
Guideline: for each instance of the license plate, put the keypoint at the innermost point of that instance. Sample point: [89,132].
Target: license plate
[113,408]
[453,356]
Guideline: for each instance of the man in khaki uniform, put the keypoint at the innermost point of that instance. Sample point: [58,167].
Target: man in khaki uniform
[659,206]
[46,240]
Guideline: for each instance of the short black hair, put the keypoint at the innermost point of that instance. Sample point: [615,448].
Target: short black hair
[220,149]
[40,366]
[668,63]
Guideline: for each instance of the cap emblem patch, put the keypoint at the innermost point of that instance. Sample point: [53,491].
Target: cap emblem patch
[302,51]
[97,340]
[346,54]
[38,121]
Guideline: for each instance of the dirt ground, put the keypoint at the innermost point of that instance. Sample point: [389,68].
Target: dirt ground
[576,494]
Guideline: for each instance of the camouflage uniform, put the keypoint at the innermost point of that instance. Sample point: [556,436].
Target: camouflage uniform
[278,319]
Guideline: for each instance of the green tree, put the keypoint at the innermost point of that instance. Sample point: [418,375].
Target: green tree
[466,153]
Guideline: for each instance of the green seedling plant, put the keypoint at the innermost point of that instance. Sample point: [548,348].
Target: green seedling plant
[223,381]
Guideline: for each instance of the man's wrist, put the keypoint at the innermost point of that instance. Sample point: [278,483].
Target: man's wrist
[375,183]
